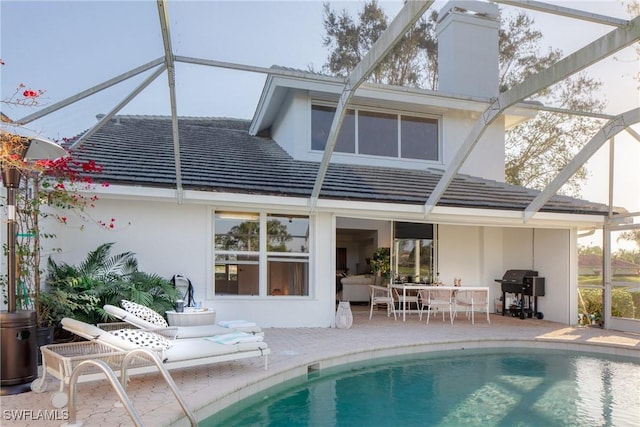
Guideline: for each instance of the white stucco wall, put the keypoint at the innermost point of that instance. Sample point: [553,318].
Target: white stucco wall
[487,159]
[169,239]
[518,249]
[468,48]
[479,255]
[459,254]
[552,260]
[550,252]
[473,254]
[292,127]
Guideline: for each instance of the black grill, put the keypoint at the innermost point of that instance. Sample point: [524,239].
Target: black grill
[522,283]
[525,282]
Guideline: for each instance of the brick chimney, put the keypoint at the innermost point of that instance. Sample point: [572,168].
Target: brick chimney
[467,35]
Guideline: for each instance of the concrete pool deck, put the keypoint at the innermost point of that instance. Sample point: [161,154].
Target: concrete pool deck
[295,351]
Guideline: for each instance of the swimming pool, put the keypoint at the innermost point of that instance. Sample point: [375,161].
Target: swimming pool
[485,387]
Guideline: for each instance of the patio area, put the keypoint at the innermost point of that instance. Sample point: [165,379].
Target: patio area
[208,389]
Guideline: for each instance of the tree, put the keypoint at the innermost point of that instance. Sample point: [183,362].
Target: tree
[628,256]
[535,150]
[349,42]
[538,149]
[246,237]
[589,250]
[632,236]
[633,9]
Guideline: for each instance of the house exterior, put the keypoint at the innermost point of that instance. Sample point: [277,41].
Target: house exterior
[592,265]
[238,218]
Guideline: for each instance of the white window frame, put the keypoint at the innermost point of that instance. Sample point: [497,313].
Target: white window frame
[263,256]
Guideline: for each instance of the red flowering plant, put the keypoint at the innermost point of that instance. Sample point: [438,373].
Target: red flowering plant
[48,189]
[52,189]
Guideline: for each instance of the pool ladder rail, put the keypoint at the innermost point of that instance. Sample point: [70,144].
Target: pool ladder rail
[121,387]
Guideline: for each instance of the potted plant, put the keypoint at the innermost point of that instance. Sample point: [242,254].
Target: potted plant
[381,263]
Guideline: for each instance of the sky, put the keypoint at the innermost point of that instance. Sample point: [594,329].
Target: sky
[64,47]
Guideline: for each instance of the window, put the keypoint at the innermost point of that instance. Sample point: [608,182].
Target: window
[415,132]
[377,134]
[412,257]
[237,251]
[245,241]
[321,118]
[287,255]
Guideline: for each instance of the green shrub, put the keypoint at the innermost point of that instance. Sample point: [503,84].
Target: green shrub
[81,291]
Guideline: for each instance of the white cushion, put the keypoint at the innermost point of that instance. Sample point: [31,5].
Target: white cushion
[235,338]
[196,348]
[145,313]
[143,339]
[92,332]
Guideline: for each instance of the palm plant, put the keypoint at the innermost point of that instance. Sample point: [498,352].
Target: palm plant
[149,290]
[102,279]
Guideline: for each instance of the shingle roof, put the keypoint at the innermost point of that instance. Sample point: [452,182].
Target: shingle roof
[219,155]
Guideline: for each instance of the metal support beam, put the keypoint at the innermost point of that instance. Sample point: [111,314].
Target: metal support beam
[163,14]
[88,92]
[565,11]
[633,133]
[406,18]
[608,131]
[590,54]
[117,108]
[612,151]
[255,69]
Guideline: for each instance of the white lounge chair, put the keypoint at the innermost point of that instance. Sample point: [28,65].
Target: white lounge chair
[176,353]
[178,332]
[60,360]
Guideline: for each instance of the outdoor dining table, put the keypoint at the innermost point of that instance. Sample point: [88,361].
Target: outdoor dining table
[418,287]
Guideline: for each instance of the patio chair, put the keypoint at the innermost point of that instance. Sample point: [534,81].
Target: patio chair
[473,301]
[404,302]
[436,299]
[153,321]
[382,295]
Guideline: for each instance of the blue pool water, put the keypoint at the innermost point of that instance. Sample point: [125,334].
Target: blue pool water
[507,387]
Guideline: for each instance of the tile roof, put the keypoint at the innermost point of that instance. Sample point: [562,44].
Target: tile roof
[219,155]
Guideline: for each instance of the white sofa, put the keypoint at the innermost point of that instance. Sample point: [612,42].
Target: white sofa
[356,288]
